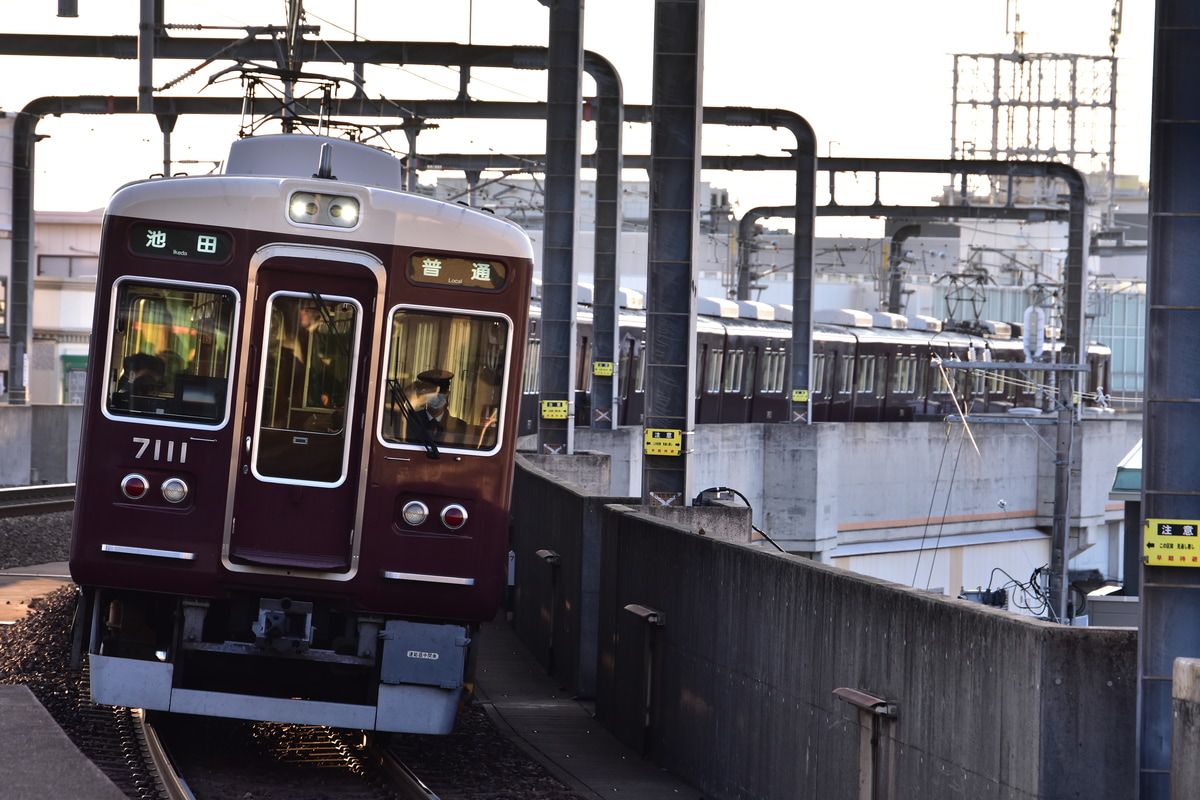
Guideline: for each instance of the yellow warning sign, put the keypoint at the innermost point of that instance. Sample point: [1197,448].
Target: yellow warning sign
[663,442]
[554,409]
[1172,543]
[799,395]
[603,369]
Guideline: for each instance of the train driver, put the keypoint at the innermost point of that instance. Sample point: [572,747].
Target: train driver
[435,417]
[142,377]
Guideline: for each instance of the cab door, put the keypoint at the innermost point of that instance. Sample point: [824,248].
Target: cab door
[295,501]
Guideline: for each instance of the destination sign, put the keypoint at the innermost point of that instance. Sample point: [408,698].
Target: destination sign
[1172,543]
[457,272]
[163,241]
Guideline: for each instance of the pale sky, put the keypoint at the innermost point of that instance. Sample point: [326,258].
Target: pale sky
[873,77]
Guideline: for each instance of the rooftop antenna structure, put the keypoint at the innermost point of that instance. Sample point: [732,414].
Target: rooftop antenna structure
[1012,25]
[1039,106]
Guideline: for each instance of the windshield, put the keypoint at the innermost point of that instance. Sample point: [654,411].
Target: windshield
[445,379]
[168,354]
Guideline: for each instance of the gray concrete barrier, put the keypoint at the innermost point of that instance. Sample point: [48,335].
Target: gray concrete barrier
[754,674]
[733,686]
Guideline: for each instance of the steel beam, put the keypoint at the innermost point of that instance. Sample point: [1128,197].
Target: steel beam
[1170,595]
[676,118]
[564,93]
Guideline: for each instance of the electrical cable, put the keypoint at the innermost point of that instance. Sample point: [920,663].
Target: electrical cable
[699,501]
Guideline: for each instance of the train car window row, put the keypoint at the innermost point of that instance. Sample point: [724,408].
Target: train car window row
[774,371]
[904,377]
[860,374]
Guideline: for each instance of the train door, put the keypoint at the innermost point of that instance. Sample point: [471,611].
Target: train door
[841,406]
[306,360]
[629,376]
[748,407]
[714,371]
[531,382]
[583,381]
[818,383]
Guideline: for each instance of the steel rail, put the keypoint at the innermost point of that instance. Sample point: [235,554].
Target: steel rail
[168,781]
[408,785]
[23,501]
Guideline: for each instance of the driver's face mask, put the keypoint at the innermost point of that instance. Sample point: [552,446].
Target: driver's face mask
[437,402]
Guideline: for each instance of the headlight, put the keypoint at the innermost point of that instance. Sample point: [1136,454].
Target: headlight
[415,512]
[174,490]
[335,211]
[303,207]
[344,210]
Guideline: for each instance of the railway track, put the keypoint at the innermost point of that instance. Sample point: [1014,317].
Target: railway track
[43,499]
[186,758]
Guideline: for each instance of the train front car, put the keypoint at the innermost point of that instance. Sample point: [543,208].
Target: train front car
[298,441]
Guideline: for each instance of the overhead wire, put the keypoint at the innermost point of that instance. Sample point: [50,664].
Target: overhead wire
[929,514]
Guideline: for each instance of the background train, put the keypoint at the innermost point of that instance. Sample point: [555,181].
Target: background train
[864,368]
[298,441]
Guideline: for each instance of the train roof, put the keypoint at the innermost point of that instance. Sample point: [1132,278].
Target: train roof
[280,154]
[254,201]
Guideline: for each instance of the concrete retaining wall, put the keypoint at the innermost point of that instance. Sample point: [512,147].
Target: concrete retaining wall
[555,544]
[555,600]
[55,435]
[811,484]
[16,431]
[741,675]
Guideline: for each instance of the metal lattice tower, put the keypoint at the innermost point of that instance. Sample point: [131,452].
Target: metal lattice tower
[1038,106]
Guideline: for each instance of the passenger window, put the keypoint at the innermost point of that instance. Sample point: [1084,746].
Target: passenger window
[818,373]
[733,371]
[845,376]
[716,358]
[866,374]
[533,350]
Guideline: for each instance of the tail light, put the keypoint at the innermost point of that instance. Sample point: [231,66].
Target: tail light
[134,486]
[454,516]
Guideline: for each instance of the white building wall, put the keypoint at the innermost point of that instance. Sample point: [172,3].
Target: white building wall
[6,182]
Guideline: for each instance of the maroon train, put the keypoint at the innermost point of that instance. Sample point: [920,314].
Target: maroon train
[298,441]
[860,371]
